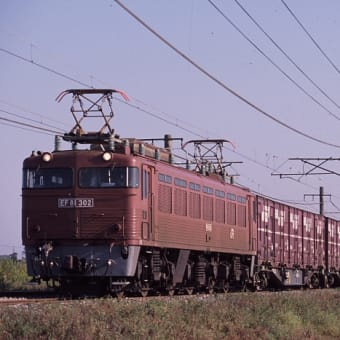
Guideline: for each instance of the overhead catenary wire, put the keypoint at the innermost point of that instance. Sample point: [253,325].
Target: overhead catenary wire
[212,77]
[333,204]
[137,107]
[29,119]
[44,67]
[29,125]
[304,203]
[17,126]
[41,116]
[310,36]
[220,83]
[63,75]
[201,136]
[285,54]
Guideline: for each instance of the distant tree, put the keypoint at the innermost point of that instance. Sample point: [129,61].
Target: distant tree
[14,256]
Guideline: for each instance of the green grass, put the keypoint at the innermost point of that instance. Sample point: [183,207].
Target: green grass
[288,315]
[13,274]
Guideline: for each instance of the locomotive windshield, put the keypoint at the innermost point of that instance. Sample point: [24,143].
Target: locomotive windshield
[114,177]
[47,178]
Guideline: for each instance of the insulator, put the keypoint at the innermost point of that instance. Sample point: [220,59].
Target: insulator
[157,154]
[57,143]
[141,149]
[111,143]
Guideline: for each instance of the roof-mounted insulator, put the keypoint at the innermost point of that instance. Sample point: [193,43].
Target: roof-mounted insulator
[112,143]
[57,143]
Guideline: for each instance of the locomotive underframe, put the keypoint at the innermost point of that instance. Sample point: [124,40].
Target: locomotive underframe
[281,277]
[139,269]
[143,270]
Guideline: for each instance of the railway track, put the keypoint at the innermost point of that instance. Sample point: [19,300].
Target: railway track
[33,297]
[25,301]
[29,298]
[24,297]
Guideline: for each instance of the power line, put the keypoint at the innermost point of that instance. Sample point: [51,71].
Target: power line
[44,67]
[28,125]
[334,205]
[286,201]
[310,37]
[21,108]
[170,123]
[286,55]
[29,119]
[195,65]
[137,107]
[201,136]
[160,118]
[12,125]
[63,75]
[86,85]
[220,83]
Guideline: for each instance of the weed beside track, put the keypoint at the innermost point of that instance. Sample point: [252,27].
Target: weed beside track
[287,315]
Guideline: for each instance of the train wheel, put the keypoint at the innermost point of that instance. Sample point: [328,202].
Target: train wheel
[210,290]
[210,286]
[189,291]
[330,280]
[120,294]
[314,281]
[171,292]
[225,288]
[144,292]
[261,281]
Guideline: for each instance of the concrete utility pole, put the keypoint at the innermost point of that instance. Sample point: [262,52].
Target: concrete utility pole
[321,194]
[312,166]
[321,200]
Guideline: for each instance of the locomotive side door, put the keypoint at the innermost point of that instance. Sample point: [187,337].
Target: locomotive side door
[148,232]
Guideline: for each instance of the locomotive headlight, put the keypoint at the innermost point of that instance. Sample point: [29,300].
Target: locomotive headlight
[107,156]
[46,157]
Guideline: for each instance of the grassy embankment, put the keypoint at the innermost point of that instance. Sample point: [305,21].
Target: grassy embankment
[289,315]
[13,274]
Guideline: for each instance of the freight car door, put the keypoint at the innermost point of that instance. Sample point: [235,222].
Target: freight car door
[147,203]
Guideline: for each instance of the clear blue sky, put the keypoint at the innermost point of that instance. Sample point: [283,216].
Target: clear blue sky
[99,44]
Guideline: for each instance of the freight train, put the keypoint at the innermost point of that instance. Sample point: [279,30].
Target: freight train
[121,216]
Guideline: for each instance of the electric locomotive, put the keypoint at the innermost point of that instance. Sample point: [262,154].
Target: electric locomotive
[120,216]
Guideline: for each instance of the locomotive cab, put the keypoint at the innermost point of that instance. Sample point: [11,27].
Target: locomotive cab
[77,215]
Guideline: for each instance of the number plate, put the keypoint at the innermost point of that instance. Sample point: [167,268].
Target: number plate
[75,202]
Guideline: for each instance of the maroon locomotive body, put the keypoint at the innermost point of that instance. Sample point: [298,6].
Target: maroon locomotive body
[121,216]
[125,219]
